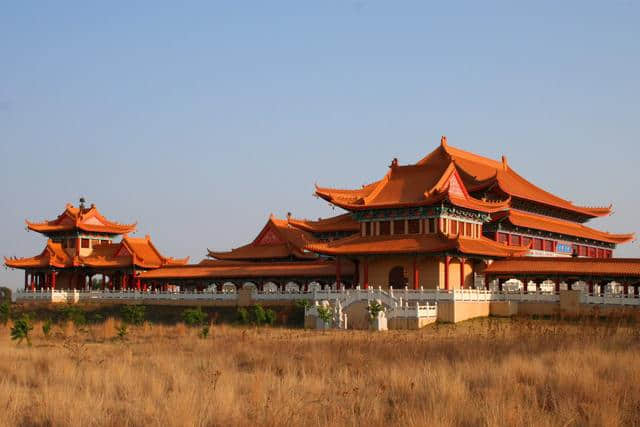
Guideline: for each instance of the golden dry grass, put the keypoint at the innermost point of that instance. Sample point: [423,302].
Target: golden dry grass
[489,372]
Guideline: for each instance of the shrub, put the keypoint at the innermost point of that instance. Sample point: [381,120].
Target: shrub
[5,293]
[122,331]
[325,314]
[194,316]
[374,309]
[46,328]
[243,316]
[204,332]
[5,312]
[258,315]
[21,329]
[74,314]
[270,316]
[133,314]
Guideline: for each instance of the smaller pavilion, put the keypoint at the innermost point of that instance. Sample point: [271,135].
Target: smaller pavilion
[81,253]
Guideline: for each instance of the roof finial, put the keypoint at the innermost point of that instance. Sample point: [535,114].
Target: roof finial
[394,163]
[82,201]
[504,162]
[288,216]
[443,141]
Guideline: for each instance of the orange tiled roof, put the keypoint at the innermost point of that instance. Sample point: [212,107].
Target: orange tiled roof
[414,184]
[276,240]
[224,269]
[129,252]
[432,243]
[85,219]
[337,223]
[628,267]
[555,225]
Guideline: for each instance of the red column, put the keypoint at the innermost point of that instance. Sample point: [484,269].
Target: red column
[636,290]
[138,283]
[26,280]
[625,287]
[590,285]
[557,282]
[338,276]
[462,263]
[416,272]
[447,261]
[365,273]
[54,274]
[33,282]
[509,239]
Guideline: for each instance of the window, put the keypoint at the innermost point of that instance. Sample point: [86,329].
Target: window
[548,245]
[71,243]
[432,225]
[368,229]
[515,240]
[95,242]
[600,253]
[537,244]
[582,251]
[414,226]
[398,226]
[592,252]
[385,228]
[502,237]
[63,243]
[454,226]
[526,241]
[84,243]
[468,227]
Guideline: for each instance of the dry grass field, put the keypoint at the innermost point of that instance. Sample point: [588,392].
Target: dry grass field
[487,372]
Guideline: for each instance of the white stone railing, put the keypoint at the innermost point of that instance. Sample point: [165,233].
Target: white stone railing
[611,299]
[413,311]
[389,298]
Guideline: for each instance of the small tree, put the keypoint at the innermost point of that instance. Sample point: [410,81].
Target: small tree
[270,317]
[21,329]
[326,315]
[259,316]
[5,312]
[194,316]
[46,328]
[243,316]
[374,309]
[133,314]
[74,314]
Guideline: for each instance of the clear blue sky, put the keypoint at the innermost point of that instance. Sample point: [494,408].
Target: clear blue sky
[199,120]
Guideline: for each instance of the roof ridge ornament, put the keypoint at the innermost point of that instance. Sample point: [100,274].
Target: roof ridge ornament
[394,163]
[505,164]
[443,140]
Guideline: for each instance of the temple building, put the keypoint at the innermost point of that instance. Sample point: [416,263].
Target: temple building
[81,251]
[277,259]
[440,222]
[449,221]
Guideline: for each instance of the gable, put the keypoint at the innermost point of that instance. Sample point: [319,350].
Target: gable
[123,251]
[269,237]
[93,221]
[455,186]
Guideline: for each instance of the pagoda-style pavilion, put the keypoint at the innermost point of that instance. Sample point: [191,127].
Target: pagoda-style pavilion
[276,259]
[81,246]
[445,218]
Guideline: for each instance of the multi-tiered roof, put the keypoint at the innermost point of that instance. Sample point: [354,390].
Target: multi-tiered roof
[80,219]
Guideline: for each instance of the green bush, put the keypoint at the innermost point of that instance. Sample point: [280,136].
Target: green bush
[133,314]
[374,309]
[46,328]
[194,316]
[204,332]
[243,316]
[21,329]
[258,315]
[270,316]
[326,315]
[5,312]
[74,314]
[122,331]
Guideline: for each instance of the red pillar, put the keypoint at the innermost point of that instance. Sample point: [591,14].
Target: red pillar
[416,272]
[26,280]
[54,275]
[625,287]
[365,268]
[447,261]
[462,263]
[636,290]
[557,283]
[338,275]
[33,282]
[137,283]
